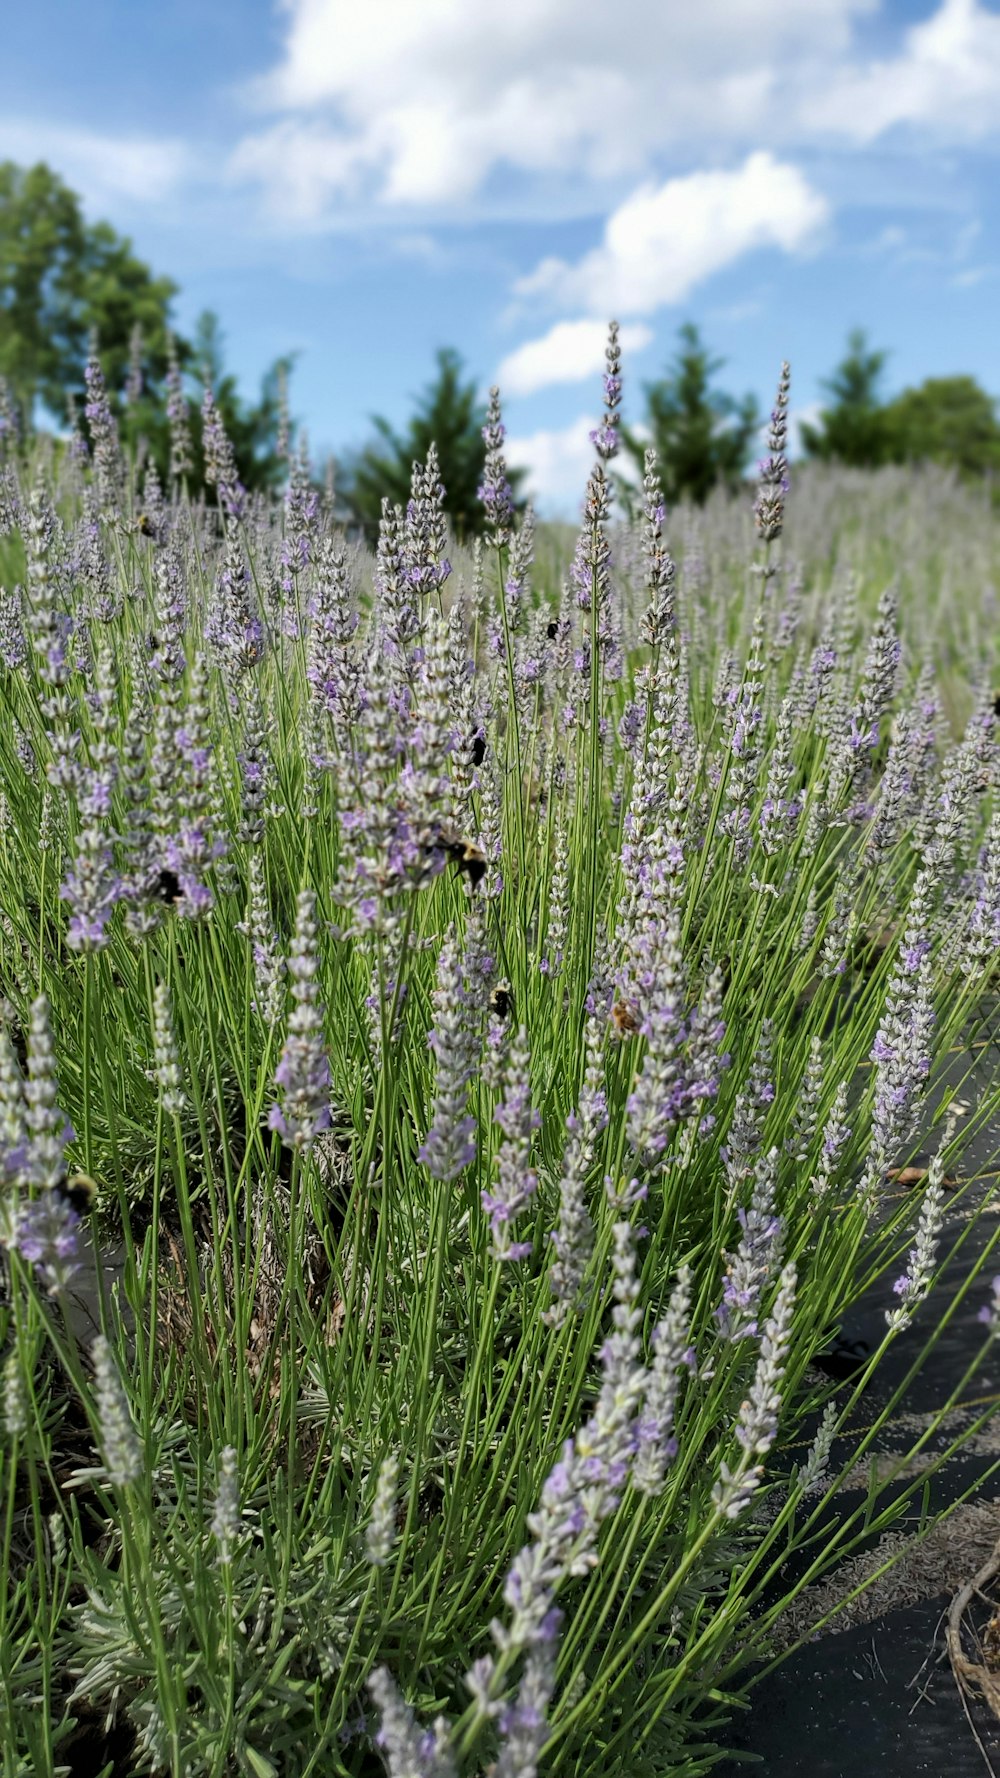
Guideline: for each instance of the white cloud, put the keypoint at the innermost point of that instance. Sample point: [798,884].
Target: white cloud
[570,351]
[665,239]
[558,464]
[299,167]
[946,78]
[99,167]
[420,102]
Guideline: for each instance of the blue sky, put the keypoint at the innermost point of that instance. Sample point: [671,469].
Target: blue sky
[361,184]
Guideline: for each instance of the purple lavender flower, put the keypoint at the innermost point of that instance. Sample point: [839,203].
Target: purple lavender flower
[517,1182]
[523,1723]
[585,1485]
[398,606]
[301,527]
[456,1039]
[853,747]
[190,850]
[951,813]
[605,439]
[659,574]
[780,812]
[769,506]
[123,1455]
[495,492]
[751,1266]
[49,1130]
[757,1421]
[220,463]
[181,461]
[902,1047]
[409,1751]
[47,1235]
[104,433]
[13,647]
[332,665]
[258,927]
[989,1314]
[656,1446]
[233,626]
[303,1074]
[557,924]
[984,921]
[573,1238]
[14,1150]
[913,1286]
[750,1110]
[425,538]
[93,886]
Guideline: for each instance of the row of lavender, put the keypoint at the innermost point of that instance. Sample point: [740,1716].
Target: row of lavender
[489,999]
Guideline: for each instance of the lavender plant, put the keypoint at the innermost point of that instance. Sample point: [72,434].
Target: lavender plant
[489,989]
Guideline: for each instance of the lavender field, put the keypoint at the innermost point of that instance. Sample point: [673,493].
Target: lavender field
[464,1010]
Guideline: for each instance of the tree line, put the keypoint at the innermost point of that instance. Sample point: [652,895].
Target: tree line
[66,283]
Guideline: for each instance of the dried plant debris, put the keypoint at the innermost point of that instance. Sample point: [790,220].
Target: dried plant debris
[902,1569]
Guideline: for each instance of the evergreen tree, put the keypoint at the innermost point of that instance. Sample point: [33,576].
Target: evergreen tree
[701,436]
[853,428]
[450,415]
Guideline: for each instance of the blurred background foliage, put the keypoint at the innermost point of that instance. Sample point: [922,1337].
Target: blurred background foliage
[64,280]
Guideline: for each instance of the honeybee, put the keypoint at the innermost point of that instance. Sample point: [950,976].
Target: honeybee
[624,1018]
[502,1001]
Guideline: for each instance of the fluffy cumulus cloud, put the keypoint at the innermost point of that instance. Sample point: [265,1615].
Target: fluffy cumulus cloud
[570,351]
[558,463]
[945,78]
[103,168]
[666,238]
[422,104]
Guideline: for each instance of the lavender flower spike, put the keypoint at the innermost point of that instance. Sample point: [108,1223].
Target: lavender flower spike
[48,1130]
[573,1238]
[226,1523]
[916,1281]
[585,1486]
[303,1074]
[755,1259]
[122,1450]
[517,1181]
[605,439]
[410,1752]
[769,506]
[47,1235]
[523,1724]
[757,1421]
[495,492]
[449,1146]
[657,1447]
[220,461]
[381,1534]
